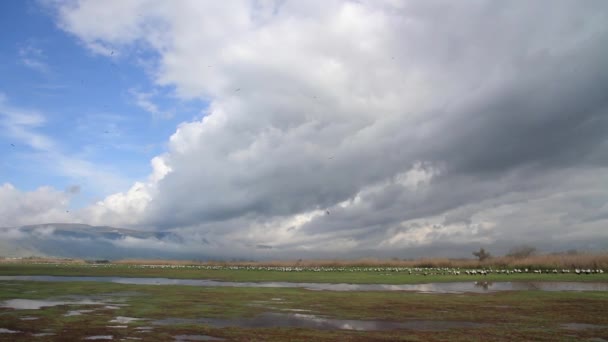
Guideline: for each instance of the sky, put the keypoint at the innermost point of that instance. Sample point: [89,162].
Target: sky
[284,129]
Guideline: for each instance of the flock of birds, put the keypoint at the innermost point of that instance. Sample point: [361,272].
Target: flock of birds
[425,271]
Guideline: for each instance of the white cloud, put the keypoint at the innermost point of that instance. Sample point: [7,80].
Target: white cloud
[33,58]
[44,204]
[367,109]
[128,208]
[21,124]
[144,101]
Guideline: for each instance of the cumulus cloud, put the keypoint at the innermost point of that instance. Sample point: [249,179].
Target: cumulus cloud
[34,58]
[358,126]
[44,204]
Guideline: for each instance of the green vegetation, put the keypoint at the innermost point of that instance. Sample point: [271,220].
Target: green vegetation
[526,315]
[360,277]
[518,315]
[481,255]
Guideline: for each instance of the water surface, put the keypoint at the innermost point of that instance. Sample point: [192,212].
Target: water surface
[582,326]
[183,338]
[452,287]
[37,304]
[8,331]
[273,320]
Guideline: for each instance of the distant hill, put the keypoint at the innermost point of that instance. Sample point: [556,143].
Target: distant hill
[84,241]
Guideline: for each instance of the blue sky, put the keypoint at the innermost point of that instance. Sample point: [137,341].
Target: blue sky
[88,104]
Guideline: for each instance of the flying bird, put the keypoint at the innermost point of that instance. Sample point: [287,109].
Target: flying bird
[237,89]
[13,145]
[326,212]
[112,53]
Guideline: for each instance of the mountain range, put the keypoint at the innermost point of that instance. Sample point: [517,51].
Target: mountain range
[85,241]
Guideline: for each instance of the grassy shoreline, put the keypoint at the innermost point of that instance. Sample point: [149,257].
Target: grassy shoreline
[524,315]
[360,277]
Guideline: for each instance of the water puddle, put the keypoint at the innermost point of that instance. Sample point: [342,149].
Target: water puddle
[183,338]
[37,304]
[43,334]
[77,312]
[582,326]
[8,331]
[28,318]
[454,287]
[144,328]
[125,320]
[294,320]
[296,310]
[100,337]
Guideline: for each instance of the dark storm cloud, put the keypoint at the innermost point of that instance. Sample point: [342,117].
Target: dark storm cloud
[554,115]
[550,111]
[423,124]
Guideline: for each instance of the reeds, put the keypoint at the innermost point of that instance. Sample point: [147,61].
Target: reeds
[546,261]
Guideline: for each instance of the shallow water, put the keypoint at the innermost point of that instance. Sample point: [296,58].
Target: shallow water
[296,310]
[99,337]
[36,304]
[453,287]
[582,326]
[273,320]
[76,312]
[124,320]
[8,331]
[183,338]
[43,334]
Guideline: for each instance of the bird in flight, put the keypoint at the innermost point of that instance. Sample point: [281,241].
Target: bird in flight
[237,89]
[13,145]
[327,212]
[112,53]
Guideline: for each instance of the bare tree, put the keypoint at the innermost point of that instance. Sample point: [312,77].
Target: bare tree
[482,254]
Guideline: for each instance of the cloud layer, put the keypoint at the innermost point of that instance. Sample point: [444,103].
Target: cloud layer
[371,126]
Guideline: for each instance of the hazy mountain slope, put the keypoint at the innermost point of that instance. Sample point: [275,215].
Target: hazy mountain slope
[84,241]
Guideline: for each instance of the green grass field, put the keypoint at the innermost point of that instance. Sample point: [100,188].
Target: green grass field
[523,315]
[260,276]
[515,315]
